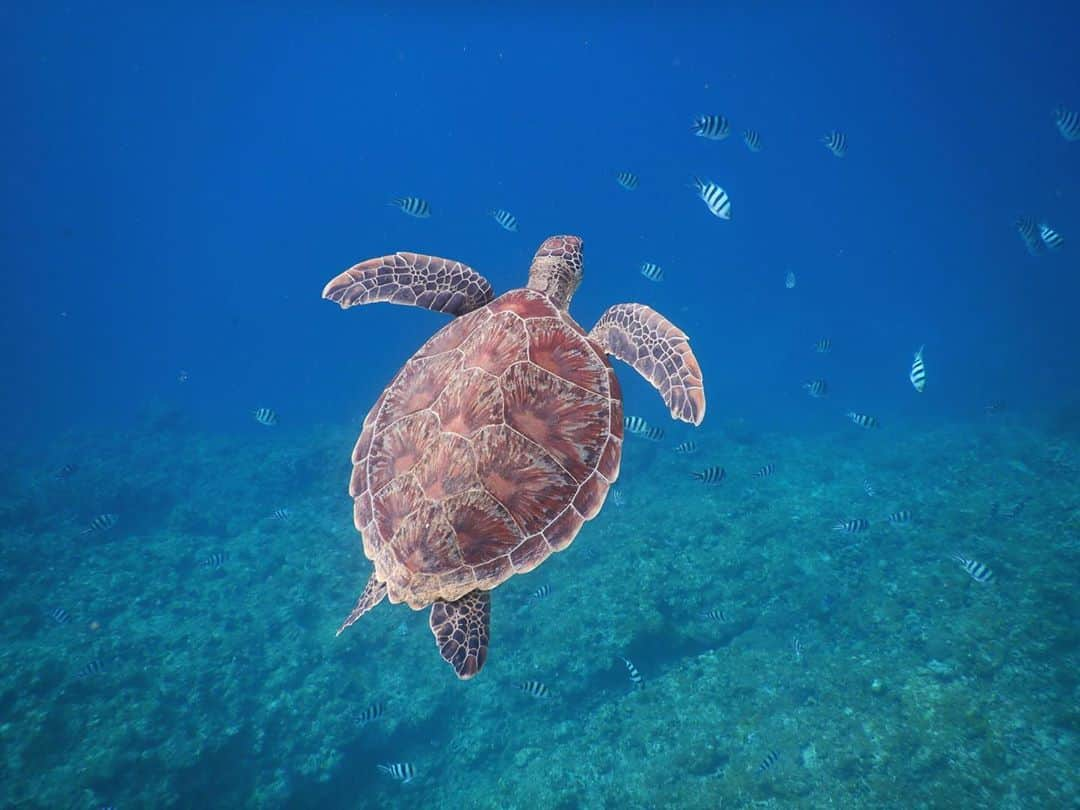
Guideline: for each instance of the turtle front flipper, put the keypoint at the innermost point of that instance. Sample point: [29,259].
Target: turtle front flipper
[462,630]
[373,593]
[412,279]
[659,351]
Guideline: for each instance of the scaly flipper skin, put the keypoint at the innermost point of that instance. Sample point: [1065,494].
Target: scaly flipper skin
[462,630]
[373,593]
[412,279]
[659,351]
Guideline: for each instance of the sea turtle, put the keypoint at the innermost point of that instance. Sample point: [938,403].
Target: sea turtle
[500,437]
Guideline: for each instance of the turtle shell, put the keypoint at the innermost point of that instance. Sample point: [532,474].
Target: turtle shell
[488,451]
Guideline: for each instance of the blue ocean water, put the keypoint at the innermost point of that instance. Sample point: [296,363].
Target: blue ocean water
[182,181]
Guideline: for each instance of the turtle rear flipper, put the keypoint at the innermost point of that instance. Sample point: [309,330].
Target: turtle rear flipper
[659,351]
[373,593]
[462,630]
[413,279]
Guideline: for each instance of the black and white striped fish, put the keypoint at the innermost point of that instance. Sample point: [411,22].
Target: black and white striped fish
[687,447]
[836,142]
[639,427]
[789,280]
[627,180]
[710,475]
[771,759]
[976,570]
[714,197]
[899,517]
[102,523]
[713,127]
[280,514]
[715,614]
[816,388]
[1051,238]
[216,560]
[543,592]
[635,676]
[1029,233]
[59,615]
[868,488]
[823,346]
[853,526]
[918,371]
[91,668]
[404,772]
[652,271]
[370,714]
[863,420]
[265,416]
[1068,123]
[752,140]
[413,206]
[617,497]
[507,220]
[534,689]
[765,471]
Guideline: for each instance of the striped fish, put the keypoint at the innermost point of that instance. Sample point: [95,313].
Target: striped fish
[752,140]
[370,714]
[617,497]
[280,514]
[714,197]
[771,759]
[652,271]
[265,416]
[533,689]
[1068,123]
[765,471]
[1051,238]
[868,488]
[639,427]
[507,220]
[918,371]
[862,420]
[710,475]
[216,560]
[687,447]
[823,346]
[836,142]
[543,592]
[977,570]
[404,772]
[789,280]
[816,388]
[91,668]
[102,523]
[853,526]
[59,615]
[413,206]
[635,676]
[713,127]
[715,614]
[900,517]
[627,180]
[1029,233]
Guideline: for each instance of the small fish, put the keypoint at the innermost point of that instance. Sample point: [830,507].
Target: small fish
[789,280]
[713,127]
[635,676]
[918,371]
[710,475]
[91,668]
[65,472]
[1068,123]
[823,346]
[59,615]
[752,140]
[816,388]
[617,497]
[280,514]
[216,560]
[977,570]
[868,488]
[687,447]
[994,406]
[413,206]
[183,376]
[796,648]
[102,523]
[765,471]
[265,416]
[852,526]
[714,197]
[1029,233]
[627,180]
[543,592]
[836,142]
[507,220]
[715,614]
[533,689]
[370,714]
[1051,238]
[404,772]
[652,271]
[862,420]
[639,427]
[900,517]
[771,759]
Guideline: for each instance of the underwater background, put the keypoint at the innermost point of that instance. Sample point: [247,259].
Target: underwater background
[182,180]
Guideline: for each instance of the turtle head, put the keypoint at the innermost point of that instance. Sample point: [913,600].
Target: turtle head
[557,269]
